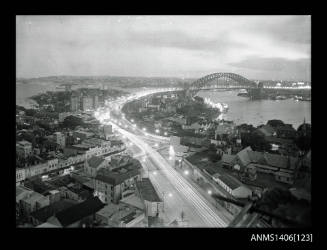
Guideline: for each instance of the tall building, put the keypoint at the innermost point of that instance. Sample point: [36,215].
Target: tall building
[74,103]
[107,130]
[95,101]
[87,103]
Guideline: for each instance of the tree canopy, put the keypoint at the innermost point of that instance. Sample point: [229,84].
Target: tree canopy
[275,123]
[72,122]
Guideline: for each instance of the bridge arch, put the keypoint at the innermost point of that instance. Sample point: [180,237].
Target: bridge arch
[241,81]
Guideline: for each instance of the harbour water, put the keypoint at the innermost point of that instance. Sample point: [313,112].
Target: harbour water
[241,109]
[24,91]
[256,112]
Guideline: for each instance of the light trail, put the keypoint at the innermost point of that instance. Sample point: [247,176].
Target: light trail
[202,207]
[179,183]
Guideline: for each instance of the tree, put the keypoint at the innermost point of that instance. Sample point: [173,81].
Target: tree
[212,147]
[256,141]
[30,112]
[275,123]
[72,122]
[199,99]
[303,137]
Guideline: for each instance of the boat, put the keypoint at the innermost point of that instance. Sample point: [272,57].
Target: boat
[243,93]
[280,97]
[307,99]
[225,107]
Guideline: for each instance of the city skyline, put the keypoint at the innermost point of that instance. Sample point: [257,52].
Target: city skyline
[258,47]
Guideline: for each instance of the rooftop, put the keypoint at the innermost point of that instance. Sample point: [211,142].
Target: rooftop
[108,210]
[244,156]
[34,197]
[79,211]
[230,181]
[46,212]
[133,201]
[47,225]
[24,143]
[227,158]
[147,190]
[95,161]
[119,175]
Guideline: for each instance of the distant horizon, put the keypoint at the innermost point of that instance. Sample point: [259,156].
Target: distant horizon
[177,77]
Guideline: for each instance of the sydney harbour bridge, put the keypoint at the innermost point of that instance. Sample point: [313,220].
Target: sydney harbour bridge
[255,89]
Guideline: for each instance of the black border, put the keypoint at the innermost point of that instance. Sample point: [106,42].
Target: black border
[142,237]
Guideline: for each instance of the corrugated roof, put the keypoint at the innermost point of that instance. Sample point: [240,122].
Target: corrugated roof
[226,158]
[230,181]
[147,190]
[257,157]
[244,156]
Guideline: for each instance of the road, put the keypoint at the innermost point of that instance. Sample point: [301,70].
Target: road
[177,193]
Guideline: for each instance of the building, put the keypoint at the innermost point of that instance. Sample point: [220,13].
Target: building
[87,103]
[79,215]
[82,135]
[32,202]
[93,164]
[152,202]
[60,139]
[107,130]
[282,167]
[113,185]
[21,193]
[42,215]
[119,215]
[24,149]
[175,140]
[63,115]
[233,186]
[95,101]
[228,160]
[194,126]
[74,103]
[178,119]
[224,129]
[20,175]
[74,192]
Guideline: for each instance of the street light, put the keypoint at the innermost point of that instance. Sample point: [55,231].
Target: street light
[157,131]
[144,129]
[186,172]
[170,195]
[209,192]
[165,133]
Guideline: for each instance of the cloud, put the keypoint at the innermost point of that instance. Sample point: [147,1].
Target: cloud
[278,67]
[160,45]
